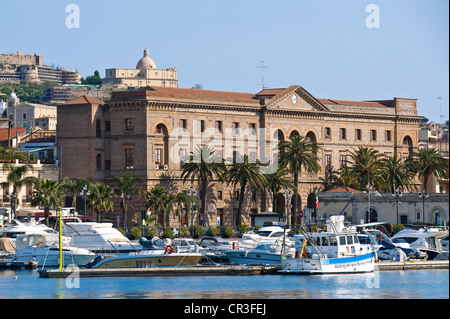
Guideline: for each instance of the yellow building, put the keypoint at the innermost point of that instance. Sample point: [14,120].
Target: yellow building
[145,74]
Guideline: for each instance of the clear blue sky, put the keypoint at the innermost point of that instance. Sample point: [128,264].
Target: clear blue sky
[323,45]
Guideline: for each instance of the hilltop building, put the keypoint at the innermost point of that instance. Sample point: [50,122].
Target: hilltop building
[31,68]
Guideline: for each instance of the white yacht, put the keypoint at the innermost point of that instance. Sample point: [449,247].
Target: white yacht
[427,240]
[100,238]
[15,227]
[335,251]
[44,248]
[264,235]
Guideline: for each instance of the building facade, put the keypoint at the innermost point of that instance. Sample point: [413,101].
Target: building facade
[19,66]
[149,132]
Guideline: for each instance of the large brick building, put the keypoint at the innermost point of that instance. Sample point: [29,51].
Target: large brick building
[146,132]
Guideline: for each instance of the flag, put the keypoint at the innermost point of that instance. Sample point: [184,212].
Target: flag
[377,194]
[317,201]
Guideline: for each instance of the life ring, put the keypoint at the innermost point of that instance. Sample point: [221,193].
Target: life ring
[169,250]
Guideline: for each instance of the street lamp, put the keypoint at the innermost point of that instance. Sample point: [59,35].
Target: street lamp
[424,195]
[192,193]
[287,194]
[125,198]
[85,193]
[398,193]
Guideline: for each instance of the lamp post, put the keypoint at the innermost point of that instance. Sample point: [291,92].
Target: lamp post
[423,195]
[287,194]
[397,194]
[125,198]
[85,193]
[192,193]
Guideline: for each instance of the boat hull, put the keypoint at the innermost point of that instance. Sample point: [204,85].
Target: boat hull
[50,258]
[149,261]
[251,257]
[351,264]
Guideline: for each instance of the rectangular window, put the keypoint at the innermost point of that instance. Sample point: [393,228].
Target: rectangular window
[183,156]
[327,133]
[388,136]
[219,195]
[183,123]
[358,134]
[129,125]
[373,135]
[343,159]
[252,127]
[129,158]
[327,161]
[235,127]
[343,134]
[158,156]
[107,164]
[201,126]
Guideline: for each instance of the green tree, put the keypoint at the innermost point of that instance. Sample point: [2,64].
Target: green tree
[203,166]
[279,180]
[127,187]
[343,177]
[245,172]
[296,153]
[17,178]
[48,194]
[397,173]
[430,162]
[74,186]
[101,199]
[92,79]
[159,201]
[366,164]
[183,203]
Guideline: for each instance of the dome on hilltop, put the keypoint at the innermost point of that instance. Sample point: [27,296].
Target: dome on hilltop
[146,62]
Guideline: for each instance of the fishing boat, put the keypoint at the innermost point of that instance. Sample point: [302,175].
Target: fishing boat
[155,254]
[335,251]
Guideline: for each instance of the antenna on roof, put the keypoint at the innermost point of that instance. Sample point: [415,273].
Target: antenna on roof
[440,109]
[262,67]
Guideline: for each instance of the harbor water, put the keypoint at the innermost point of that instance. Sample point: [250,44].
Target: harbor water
[402,284]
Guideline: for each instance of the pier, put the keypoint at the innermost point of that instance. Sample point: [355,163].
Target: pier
[221,270]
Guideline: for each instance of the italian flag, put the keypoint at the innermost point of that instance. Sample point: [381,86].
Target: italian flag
[317,201]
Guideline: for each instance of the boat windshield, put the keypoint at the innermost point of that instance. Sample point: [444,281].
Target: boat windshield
[264,233]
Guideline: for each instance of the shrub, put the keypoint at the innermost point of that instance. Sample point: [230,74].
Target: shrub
[135,232]
[152,232]
[199,230]
[184,231]
[243,228]
[399,227]
[215,230]
[167,232]
[256,228]
[121,231]
[229,231]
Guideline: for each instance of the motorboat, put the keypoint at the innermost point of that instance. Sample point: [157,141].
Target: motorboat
[427,240]
[336,250]
[213,249]
[44,249]
[266,253]
[266,234]
[159,255]
[7,248]
[382,244]
[100,238]
[16,227]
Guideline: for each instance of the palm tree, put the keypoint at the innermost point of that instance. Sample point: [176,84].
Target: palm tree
[74,186]
[296,153]
[48,194]
[277,181]
[159,201]
[126,187]
[16,178]
[366,164]
[245,173]
[203,166]
[396,174]
[343,177]
[101,199]
[430,162]
[183,203]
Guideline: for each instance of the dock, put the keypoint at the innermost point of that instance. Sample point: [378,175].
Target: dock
[8,264]
[162,271]
[237,270]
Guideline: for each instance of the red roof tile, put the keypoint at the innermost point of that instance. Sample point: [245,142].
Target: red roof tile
[85,99]
[13,132]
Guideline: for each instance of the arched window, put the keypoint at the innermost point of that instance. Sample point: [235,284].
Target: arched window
[407,142]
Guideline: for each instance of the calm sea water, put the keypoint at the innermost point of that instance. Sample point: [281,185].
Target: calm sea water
[411,284]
